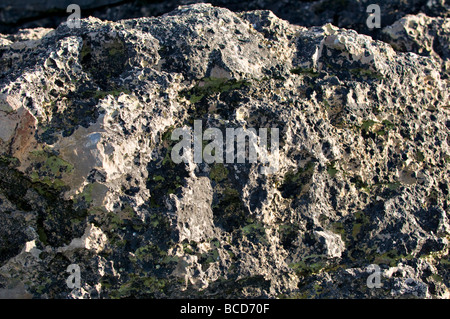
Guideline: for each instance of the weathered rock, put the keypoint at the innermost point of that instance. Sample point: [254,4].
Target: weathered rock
[421,34]
[87,176]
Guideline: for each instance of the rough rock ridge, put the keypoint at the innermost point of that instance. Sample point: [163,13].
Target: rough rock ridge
[87,178]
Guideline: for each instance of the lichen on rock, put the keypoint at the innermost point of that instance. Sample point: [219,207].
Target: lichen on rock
[87,176]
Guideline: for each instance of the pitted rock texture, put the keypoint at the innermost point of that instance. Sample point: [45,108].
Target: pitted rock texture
[421,34]
[87,176]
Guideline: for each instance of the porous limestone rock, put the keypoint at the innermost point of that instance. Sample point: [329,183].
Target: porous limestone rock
[87,176]
[424,35]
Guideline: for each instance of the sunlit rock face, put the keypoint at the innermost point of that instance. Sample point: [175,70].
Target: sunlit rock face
[88,177]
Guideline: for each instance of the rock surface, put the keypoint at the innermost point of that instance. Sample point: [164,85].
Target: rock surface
[87,178]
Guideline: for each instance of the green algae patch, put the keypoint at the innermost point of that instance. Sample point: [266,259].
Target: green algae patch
[360,220]
[99,94]
[218,172]
[255,232]
[305,71]
[49,168]
[391,258]
[208,258]
[165,177]
[42,235]
[158,178]
[146,285]
[209,86]
[331,169]
[372,128]
[304,269]
[9,160]
[54,224]
[93,194]
[420,157]
[339,228]
[296,182]
[366,74]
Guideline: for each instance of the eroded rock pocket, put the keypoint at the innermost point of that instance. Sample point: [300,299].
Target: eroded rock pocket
[104,59]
